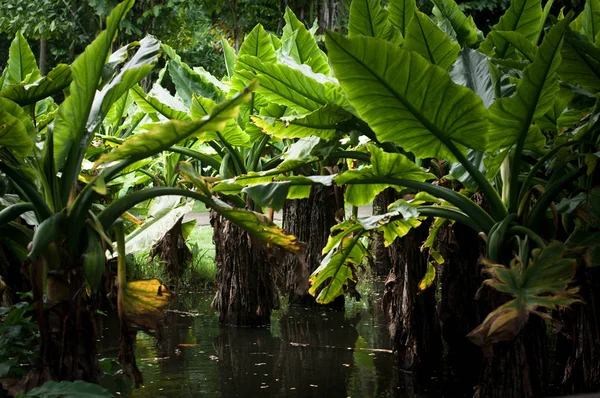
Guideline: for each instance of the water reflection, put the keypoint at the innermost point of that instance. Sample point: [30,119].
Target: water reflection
[305,352]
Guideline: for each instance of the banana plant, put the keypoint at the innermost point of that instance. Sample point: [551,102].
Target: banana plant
[477,112]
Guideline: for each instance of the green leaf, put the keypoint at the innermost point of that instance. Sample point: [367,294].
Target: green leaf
[471,70]
[25,94]
[132,72]
[401,12]
[591,20]
[369,18]
[94,260]
[16,130]
[151,104]
[405,99]
[162,136]
[511,118]
[465,28]
[383,164]
[301,45]
[519,42]
[258,44]
[323,123]
[296,88]
[523,16]
[21,66]
[426,39]
[581,62]
[229,56]
[70,123]
[188,81]
[67,389]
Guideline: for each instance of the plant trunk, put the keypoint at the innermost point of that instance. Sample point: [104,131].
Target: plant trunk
[518,368]
[309,220]
[459,312]
[580,350]
[246,292]
[173,251]
[412,315]
[43,55]
[382,264]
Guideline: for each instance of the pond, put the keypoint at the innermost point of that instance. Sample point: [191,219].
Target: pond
[305,352]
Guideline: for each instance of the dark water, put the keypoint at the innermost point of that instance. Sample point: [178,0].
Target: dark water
[304,353]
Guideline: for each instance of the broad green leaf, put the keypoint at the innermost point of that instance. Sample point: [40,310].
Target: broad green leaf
[383,164]
[229,56]
[465,28]
[189,82]
[405,99]
[68,389]
[258,44]
[369,18]
[25,94]
[523,16]
[163,136]
[15,129]
[301,45]
[397,229]
[591,20]
[426,39]
[541,285]
[323,123]
[150,104]
[581,62]
[511,118]
[132,72]
[401,12]
[291,87]
[21,66]
[519,42]
[231,134]
[70,122]
[471,70]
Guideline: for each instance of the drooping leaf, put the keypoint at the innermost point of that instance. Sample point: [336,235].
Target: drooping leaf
[471,70]
[511,118]
[25,94]
[323,123]
[429,277]
[151,104]
[369,18]
[383,165]
[401,12]
[21,66]
[162,136]
[406,100]
[16,129]
[524,17]
[465,28]
[541,284]
[300,44]
[426,39]
[70,123]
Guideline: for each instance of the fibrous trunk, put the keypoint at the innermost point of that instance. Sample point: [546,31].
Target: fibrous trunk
[309,220]
[173,251]
[246,292]
[412,315]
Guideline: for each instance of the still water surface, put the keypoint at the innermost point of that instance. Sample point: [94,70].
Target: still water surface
[304,353]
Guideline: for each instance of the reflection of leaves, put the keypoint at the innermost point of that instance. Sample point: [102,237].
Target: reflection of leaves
[543,283]
[67,389]
[143,301]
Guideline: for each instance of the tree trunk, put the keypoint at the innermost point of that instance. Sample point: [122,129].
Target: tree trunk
[459,312]
[173,251]
[580,350]
[246,293]
[382,263]
[412,316]
[309,220]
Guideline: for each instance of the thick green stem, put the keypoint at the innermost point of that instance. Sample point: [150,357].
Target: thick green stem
[28,190]
[450,214]
[517,229]
[14,211]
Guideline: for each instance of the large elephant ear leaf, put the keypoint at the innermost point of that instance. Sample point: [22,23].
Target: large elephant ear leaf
[165,135]
[369,18]
[472,70]
[465,28]
[300,44]
[591,20]
[541,284]
[401,12]
[25,94]
[16,130]
[73,113]
[511,118]
[406,100]
[523,16]
[21,66]
[581,62]
[425,38]
[258,44]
